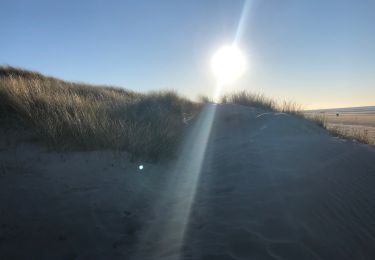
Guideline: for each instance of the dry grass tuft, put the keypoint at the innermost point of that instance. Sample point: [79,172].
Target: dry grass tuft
[290,107]
[260,101]
[83,117]
[318,119]
[246,98]
[359,135]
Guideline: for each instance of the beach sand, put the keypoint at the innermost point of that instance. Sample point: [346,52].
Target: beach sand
[246,184]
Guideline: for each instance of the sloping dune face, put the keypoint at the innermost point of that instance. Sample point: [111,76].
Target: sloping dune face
[269,186]
[276,186]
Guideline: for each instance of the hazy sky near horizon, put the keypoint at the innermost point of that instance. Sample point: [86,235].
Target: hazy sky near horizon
[319,53]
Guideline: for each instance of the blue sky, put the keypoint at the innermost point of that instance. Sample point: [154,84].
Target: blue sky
[319,53]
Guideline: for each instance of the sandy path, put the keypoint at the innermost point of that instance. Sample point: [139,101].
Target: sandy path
[270,186]
[276,187]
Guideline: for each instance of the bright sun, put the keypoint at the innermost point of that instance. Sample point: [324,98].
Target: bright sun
[228,64]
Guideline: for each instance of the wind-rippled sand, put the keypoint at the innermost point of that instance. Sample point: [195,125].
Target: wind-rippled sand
[271,186]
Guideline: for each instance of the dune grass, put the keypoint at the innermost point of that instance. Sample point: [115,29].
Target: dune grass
[360,136]
[318,119]
[75,116]
[246,98]
[250,99]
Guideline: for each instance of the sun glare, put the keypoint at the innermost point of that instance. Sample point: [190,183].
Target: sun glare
[228,64]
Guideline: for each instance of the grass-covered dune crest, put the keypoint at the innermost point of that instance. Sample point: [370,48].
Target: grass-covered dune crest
[78,116]
[246,98]
[83,117]
[250,99]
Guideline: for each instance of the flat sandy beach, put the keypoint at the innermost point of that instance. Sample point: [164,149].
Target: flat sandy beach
[351,121]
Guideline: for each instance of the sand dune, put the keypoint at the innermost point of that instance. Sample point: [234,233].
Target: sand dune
[270,186]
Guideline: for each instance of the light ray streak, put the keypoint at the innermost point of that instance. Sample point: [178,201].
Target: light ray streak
[166,234]
[164,237]
[237,37]
[241,24]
